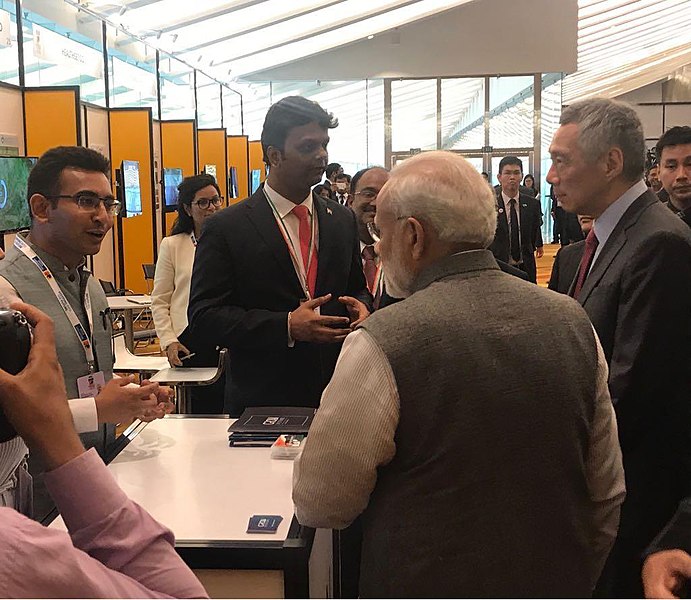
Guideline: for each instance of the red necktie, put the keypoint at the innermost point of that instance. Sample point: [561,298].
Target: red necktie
[369,265]
[305,232]
[591,243]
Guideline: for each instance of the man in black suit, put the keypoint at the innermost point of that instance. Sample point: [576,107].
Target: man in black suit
[633,281]
[278,277]
[568,258]
[674,155]
[667,567]
[518,238]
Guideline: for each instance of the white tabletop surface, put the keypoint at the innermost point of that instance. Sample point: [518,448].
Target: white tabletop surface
[174,375]
[184,473]
[128,302]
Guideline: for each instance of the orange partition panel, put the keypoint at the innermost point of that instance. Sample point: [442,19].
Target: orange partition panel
[131,138]
[51,118]
[238,157]
[178,151]
[212,150]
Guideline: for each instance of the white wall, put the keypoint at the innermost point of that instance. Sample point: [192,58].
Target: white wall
[478,38]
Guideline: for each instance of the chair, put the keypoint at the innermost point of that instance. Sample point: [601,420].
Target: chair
[184,378]
[149,274]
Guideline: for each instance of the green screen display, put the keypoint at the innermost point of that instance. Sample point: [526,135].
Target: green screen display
[14,208]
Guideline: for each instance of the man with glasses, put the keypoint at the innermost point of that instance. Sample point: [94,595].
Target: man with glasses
[72,209]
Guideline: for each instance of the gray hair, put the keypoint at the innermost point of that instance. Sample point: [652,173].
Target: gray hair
[604,123]
[445,191]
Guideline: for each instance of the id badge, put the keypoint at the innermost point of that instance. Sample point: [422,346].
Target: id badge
[90,386]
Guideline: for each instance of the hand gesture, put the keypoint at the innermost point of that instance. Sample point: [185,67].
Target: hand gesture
[307,326]
[173,351]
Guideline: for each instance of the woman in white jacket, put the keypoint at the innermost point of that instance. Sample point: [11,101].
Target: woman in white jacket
[199,197]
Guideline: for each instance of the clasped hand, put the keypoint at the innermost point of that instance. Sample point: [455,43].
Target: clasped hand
[308,326]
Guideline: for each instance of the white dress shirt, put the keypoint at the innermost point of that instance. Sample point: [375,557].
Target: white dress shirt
[353,434]
[171,294]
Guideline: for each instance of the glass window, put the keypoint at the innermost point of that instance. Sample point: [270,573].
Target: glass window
[232,111]
[511,104]
[551,111]
[256,99]
[9,53]
[54,56]
[177,89]
[132,72]
[414,114]
[208,102]
[375,122]
[463,113]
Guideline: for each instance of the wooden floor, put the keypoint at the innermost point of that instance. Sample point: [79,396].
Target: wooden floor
[544,264]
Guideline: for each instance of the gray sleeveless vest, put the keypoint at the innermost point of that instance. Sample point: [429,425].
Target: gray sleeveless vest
[33,288]
[487,493]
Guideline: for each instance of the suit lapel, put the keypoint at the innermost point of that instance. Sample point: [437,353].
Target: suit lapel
[262,217]
[327,233]
[614,244]
[502,216]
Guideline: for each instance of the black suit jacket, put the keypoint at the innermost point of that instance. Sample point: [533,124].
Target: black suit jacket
[243,287]
[638,296]
[530,218]
[565,267]
[677,533]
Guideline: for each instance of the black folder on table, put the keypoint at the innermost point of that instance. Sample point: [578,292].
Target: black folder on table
[265,423]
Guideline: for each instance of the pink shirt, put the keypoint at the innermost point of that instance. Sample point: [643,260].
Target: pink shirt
[114,548]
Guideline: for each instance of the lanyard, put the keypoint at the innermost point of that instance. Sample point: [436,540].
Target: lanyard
[298,264]
[82,335]
[194,238]
[376,284]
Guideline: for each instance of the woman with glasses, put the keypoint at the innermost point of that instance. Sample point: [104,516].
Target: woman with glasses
[199,197]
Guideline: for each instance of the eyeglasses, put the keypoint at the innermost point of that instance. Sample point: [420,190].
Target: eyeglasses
[374,232]
[367,194]
[91,202]
[204,203]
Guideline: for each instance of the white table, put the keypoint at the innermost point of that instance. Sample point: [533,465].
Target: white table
[127,304]
[183,472]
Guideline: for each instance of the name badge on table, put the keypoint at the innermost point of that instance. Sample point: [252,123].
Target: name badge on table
[90,386]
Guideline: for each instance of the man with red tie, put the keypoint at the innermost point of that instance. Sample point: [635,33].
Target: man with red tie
[364,189]
[633,281]
[278,277]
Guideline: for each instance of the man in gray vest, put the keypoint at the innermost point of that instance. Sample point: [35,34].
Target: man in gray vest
[72,209]
[477,471]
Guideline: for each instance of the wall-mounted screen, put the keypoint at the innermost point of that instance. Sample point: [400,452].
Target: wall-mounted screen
[256,179]
[233,182]
[14,208]
[172,178]
[132,191]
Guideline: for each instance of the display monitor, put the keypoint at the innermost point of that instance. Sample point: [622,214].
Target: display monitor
[131,190]
[256,179]
[172,178]
[233,182]
[14,207]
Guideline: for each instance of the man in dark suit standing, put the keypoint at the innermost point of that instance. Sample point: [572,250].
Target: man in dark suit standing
[278,277]
[633,281]
[518,238]
[674,155]
[568,258]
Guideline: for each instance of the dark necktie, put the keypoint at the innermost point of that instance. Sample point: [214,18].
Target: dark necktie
[369,265]
[591,243]
[514,233]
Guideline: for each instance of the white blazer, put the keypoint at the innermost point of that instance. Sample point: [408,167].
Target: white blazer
[171,293]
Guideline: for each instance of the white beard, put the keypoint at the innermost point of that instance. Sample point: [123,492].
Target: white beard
[398,284]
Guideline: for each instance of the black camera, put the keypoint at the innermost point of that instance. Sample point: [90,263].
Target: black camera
[15,343]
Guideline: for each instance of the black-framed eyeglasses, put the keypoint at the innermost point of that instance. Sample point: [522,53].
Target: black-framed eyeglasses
[204,203]
[91,202]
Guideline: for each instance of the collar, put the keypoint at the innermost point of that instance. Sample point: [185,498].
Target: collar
[55,265]
[363,245]
[506,199]
[456,264]
[283,205]
[604,225]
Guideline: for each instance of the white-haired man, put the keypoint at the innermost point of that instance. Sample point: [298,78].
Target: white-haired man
[476,471]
